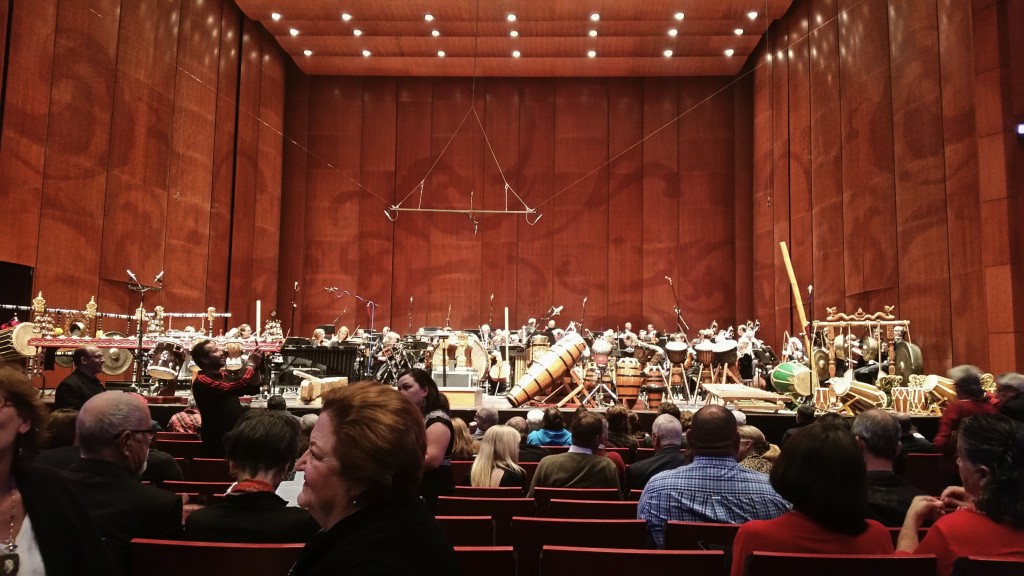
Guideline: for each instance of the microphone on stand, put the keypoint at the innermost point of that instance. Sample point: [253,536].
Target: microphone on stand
[669,278]
[296,286]
[132,276]
[159,278]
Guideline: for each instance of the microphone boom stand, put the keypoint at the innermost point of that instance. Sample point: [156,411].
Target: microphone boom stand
[141,289]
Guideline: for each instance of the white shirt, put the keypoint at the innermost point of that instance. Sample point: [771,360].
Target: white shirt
[28,551]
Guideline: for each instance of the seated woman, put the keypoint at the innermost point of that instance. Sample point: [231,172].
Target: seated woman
[261,453]
[497,463]
[822,473]
[464,447]
[986,516]
[362,469]
[619,432]
[552,431]
[755,452]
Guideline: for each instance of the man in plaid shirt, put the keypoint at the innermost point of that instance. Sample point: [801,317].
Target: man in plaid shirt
[188,420]
[713,488]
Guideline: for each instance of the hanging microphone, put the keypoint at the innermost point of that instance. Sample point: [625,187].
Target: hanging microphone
[132,276]
[296,286]
[669,278]
[159,278]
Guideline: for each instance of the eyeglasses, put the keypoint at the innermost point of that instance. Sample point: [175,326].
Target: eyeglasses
[149,432]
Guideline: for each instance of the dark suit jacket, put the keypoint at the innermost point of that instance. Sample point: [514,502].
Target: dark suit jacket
[74,390]
[160,466]
[889,497]
[122,507]
[639,473]
[254,517]
[531,453]
[67,539]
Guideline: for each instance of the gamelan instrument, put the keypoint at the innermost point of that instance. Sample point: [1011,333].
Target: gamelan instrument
[794,379]
[548,370]
[14,342]
[168,359]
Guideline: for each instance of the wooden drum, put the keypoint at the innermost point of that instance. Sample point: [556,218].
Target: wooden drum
[548,370]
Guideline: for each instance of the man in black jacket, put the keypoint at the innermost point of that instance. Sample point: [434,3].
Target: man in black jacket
[81,384]
[527,452]
[889,495]
[668,436]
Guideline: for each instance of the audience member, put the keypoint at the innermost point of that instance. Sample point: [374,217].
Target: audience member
[60,428]
[464,448]
[362,468]
[552,432]
[619,434]
[114,433]
[160,466]
[261,452]
[911,441]
[52,532]
[804,416]
[889,495]
[985,517]
[497,463]
[217,397]
[306,424]
[667,433]
[712,488]
[665,408]
[971,400]
[535,419]
[1010,392]
[820,462]
[277,402]
[527,452]
[740,416]
[484,418]
[580,467]
[82,383]
[188,420]
[756,453]
[418,387]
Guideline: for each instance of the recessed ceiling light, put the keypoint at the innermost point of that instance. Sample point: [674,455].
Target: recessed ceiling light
[680,15]
[511,17]
[591,53]
[346,16]
[738,31]
[275,16]
[435,33]
[307,52]
[293,32]
[595,16]
[752,15]
[515,54]
[440,53]
[667,53]
[366,53]
[593,33]
[357,32]
[514,33]
[729,52]
[673,32]
[428,17]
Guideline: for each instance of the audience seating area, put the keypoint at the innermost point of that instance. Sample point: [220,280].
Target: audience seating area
[981,566]
[173,558]
[782,564]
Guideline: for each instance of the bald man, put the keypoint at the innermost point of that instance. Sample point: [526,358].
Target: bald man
[713,488]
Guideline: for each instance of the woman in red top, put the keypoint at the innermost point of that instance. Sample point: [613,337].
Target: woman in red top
[971,400]
[986,516]
[822,473]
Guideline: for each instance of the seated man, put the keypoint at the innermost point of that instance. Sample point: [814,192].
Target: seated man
[667,432]
[889,495]
[81,384]
[485,418]
[713,488]
[114,432]
[261,452]
[527,452]
[804,416]
[580,467]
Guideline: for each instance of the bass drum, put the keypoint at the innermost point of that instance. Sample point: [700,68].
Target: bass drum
[476,355]
[794,379]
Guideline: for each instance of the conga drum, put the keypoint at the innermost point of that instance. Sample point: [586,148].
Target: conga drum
[548,370]
[676,352]
[628,379]
[794,379]
[705,353]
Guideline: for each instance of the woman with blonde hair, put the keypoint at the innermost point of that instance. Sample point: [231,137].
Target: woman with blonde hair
[465,447]
[496,463]
[755,452]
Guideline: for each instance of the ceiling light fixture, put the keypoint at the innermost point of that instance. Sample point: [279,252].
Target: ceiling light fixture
[593,33]
[346,16]
[428,17]
[307,52]
[275,16]
[680,15]
[591,53]
[729,52]
[595,17]
[752,15]
[440,53]
[366,53]
[357,32]
[514,34]
[511,17]
[435,33]
[673,32]
[293,32]
[515,54]
[667,53]
[738,31]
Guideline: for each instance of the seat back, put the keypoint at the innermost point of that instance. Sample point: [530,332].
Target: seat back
[616,509]
[529,535]
[168,557]
[929,473]
[556,449]
[203,488]
[788,564]
[468,530]
[209,470]
[488,492]
[644,453]
[625,453]
[634,495]
[502,510]
[180,448]
[699,535]
[544,495]
[985,566]
[177,436]
[579,560]
[531,469]
[489,560]
[460,471]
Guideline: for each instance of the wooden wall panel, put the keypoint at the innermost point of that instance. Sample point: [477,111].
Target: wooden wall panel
[661,196]
[781,56]
[266,235]
[801,224]
[743,192]
[292,285]
[765,247]
[625,209]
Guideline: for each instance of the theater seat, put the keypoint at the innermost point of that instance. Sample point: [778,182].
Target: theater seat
[488,492]
[785,564]
[983,566]
[558,508]
[468,530]
[699,535]
[174,558]
[564,560]
[486,560]
[529,535]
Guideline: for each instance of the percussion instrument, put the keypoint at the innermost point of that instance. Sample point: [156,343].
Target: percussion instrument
[116,360]
[654,394]
[908,359]
[918,400]
[901,399]
[793,378]
[539,344]
[476,356]
[819,363]
[676,352]
[858,396]
[824,398]
[233,355]
[628,379]
[548,370]
[705,352]
[939,387]
[601,349]
[14,342]
[869,348]
[594,376]
[725,352]
[168,358]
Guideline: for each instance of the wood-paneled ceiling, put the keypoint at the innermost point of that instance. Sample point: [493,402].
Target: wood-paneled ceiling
[552,37]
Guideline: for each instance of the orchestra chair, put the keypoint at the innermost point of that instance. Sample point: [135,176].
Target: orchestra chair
[174,557]
[929,473]
[644,453]
[489,492]
[501,510]
[529,535]
[988,566]
[623,453]
[634,495]
[788,564]
[489,560]
[544,495]
[559,560]
[177,436]
[468,530]
[460,471]
[699,535]
[598,509]
[180,448]
[201,488]
[209,470]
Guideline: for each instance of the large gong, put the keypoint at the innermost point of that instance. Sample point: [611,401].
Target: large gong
[476,355]
[908,359]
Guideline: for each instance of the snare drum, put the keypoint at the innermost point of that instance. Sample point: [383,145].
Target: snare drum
[793,378]
[168,358]
[676,352]
[14,342]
